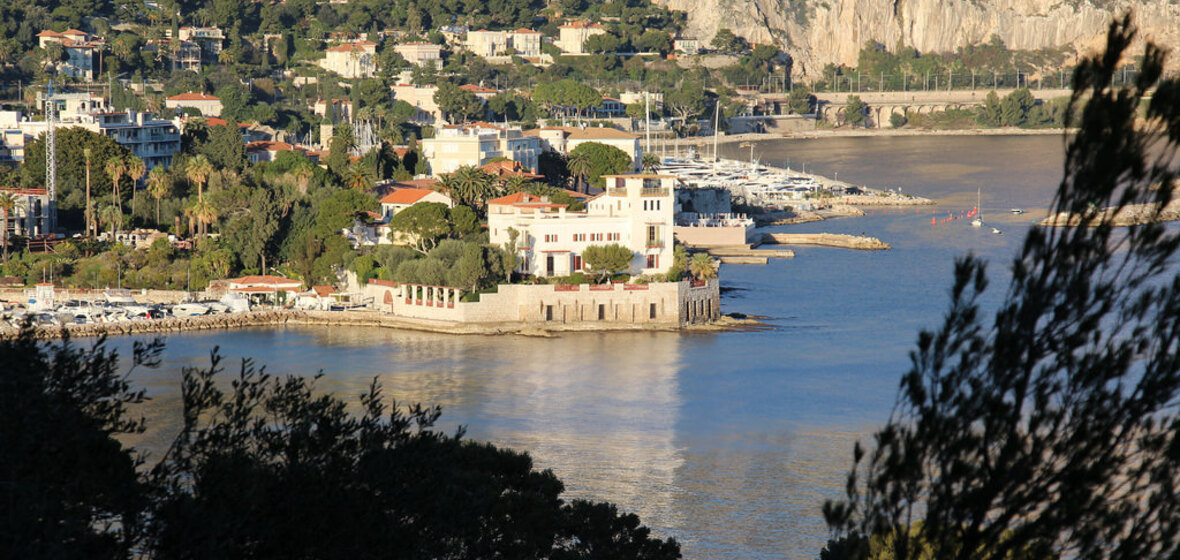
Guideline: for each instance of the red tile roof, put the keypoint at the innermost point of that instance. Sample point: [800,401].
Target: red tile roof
[266,280]
[323,291]
[49,33]
[270,146]
[584,24]
[523,30]
[358,46]
[478,89]
[405,196]
[193,97]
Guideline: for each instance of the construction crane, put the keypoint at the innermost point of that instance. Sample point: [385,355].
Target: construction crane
[51,159]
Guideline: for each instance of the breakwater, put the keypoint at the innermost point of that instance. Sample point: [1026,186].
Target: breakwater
[826,240]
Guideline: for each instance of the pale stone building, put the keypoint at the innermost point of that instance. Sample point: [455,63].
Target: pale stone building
[635,211]
[81,51]
[572,36]
[477,144]
[210,39]
[208,105]
[564,139]
[352,60]
[420,54]
[152,140]
[422,98]
[497,44]
[32,214]
[686,45]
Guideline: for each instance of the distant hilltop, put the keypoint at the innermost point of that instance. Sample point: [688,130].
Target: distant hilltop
[819,32]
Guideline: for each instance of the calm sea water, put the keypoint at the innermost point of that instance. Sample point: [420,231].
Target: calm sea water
[729,442]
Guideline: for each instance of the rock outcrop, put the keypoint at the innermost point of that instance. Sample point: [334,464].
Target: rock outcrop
[817,32]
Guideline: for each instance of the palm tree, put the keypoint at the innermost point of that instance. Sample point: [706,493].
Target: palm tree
[111,216]
[303,174]
[159,184]
[473,185]
[579,166]
[516,183]
[701,266]
[8,204]
[116,166]
[136,170]
[198,169]
[650,163]
[204,213]
[87,153]
[358,178]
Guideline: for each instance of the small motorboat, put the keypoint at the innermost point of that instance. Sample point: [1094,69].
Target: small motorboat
[997,232]
[1016,211]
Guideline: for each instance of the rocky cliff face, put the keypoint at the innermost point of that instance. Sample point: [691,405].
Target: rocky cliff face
[816,32]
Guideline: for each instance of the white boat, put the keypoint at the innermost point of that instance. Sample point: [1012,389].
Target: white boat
[997,232]
[1017,211]
[189,310]
[978,221]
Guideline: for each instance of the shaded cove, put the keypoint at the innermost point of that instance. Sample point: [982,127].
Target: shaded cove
[729,442]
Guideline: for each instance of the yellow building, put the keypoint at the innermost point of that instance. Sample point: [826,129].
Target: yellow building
[477,144]
[573,35]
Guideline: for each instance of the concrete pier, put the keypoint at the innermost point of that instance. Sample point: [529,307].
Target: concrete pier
[826,240]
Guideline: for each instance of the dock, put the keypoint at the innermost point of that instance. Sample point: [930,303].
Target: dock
[744,254]
[838,240]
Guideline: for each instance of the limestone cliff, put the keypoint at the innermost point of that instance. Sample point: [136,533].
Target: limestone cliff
[816,32]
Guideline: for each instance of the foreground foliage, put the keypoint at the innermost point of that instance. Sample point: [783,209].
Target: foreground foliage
[1054,431]
[266,467]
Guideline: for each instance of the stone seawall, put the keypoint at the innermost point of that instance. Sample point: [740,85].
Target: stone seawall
[826,240]
[284,317]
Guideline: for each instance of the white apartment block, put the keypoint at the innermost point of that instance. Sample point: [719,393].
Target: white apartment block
[686,45]
[182,55]
[635,211]
[420,54]
[495,44]
[152,140]
[477,144]
[81,50]
[31,217]
[208,105]
[564,139]
[572,36]
[352,60]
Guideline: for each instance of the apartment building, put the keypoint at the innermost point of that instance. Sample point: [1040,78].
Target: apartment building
[635,211]
[81,52]
[351,60]
[32,214]
[687,45]
[152,140]
[477,144]
[420,54]
[572,36]
[209,39]
[208,105]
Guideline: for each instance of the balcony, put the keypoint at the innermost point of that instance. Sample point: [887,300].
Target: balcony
[654,244]
[647,191]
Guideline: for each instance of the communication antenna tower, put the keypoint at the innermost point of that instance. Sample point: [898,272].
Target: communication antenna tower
[51,158]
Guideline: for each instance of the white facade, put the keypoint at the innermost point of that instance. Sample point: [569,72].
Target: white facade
[80,49]
[477,144]
[635,211]
[422,98]
[420,54]
[31,216]
[352,60]
[572,38]
[154,141]
[208,105]
[495,44]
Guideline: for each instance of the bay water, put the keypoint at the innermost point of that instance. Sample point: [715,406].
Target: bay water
[729,442]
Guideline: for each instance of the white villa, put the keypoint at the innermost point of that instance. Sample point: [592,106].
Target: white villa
[635,211]
[352,60]
[420,54]
[572,36]
[494,44]
[399,199]
[208,105]
[80,49]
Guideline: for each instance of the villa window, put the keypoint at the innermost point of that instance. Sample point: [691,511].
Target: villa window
[653,261]
[577,262]
[652,311]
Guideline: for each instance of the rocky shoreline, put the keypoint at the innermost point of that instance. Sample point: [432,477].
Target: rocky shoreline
[283,317]
[1130,215]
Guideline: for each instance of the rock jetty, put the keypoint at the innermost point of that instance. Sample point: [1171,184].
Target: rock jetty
[1130,215]
[826,240]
